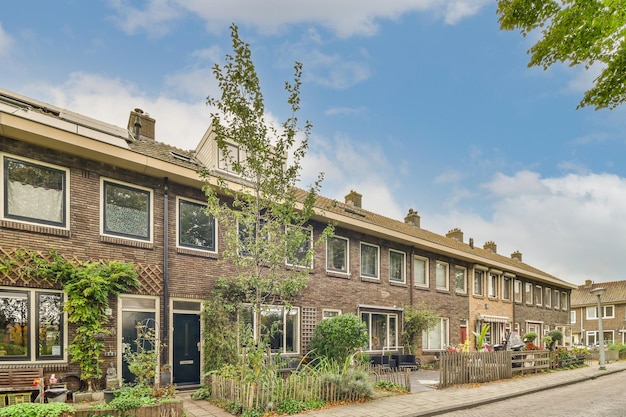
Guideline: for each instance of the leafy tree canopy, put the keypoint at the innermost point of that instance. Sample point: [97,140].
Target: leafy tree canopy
[579,32]
[264,216]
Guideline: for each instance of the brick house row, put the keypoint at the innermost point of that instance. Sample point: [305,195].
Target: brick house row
[374,266]
[584,313]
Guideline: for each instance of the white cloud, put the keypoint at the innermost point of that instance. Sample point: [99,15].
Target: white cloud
[154,19]
[344,17]
[557,223]
[457,10]
[352,165]
[6,42]
[110,100]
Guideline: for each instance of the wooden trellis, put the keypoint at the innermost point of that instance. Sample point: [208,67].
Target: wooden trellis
[22,272]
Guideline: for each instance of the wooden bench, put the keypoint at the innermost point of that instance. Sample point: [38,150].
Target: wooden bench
[16,385]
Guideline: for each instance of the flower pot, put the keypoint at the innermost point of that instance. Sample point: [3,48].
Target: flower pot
[109,394]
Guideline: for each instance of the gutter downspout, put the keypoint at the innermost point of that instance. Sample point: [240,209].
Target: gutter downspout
[411,276]
[166,295]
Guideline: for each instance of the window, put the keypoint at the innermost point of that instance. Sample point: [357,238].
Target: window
[460,278]
[564,303]
[337,254]
[247,237]
[279,325]
[22,310]
[593,338]
[329,313]
[420,271]
[547,297]
[608,312]
[437,337]
[397,262]
[494,279]
[369,260]
[517,290]
[478,282]
[572,316]
[300,240]
[592,313]
[127,210]
[557,299]
[228,159]
[506,288]
[538,295]
[442,277]
[26,182]
[382,329]
[196,228]
[528,293]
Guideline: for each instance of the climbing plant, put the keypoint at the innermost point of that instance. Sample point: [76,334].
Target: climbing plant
[88,285]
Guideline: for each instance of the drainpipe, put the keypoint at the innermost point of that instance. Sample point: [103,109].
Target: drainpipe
[166,295]
[411,276]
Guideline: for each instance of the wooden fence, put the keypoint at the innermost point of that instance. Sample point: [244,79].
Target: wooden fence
[329,388]
[475,367]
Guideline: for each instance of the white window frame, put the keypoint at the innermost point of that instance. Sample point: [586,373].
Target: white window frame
[592,312]
[402,271]
[446,275]
[310,241]
[426,270]
[518,290]
[529,293]
[283,333]
[32,328]
[557,299]
[187,246]
[572,316]
[479,275]
[460,269]
[64,224]
[493,290]
[505,292]
[392,334]
[547,297]
[376,274]
[538,295]
[329,313]
[564,301]
[443,328]
[149,239]
[332,268]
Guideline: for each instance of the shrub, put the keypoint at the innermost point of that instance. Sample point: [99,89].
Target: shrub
[36,410]
[337,338]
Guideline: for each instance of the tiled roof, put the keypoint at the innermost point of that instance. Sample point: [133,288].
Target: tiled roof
[186,159]
[615,293]
[423,234]
[165,152]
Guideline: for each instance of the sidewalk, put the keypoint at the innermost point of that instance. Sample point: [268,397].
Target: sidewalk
[433,402]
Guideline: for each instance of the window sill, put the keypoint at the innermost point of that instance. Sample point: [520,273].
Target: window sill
[370,279]
[343,275]
[398,284]
[197,252]
[36,228]
[422,287]
[126,242]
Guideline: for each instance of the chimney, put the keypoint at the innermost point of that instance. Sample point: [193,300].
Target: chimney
[588,283]
[354,199]
[455,234]
[490,246]
[412,218]
[471,242]
[517,255]
[141,125]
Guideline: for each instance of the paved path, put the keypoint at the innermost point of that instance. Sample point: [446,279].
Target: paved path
[431,402]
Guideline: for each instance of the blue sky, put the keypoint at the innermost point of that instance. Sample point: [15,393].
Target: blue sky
[415,104]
